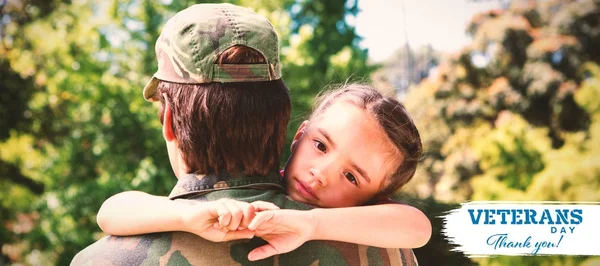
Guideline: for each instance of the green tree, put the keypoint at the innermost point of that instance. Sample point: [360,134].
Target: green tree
[513,116]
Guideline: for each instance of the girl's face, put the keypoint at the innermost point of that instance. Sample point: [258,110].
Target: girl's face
[341,158]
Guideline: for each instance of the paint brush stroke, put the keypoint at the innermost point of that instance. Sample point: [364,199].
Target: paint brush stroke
[481,229]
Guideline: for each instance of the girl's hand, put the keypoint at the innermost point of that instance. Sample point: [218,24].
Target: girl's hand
[223,219]
[284,230]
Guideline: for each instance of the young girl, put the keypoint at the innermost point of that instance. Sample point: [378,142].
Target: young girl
[357,148]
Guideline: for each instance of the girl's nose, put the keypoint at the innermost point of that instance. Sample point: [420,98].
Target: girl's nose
[318,175]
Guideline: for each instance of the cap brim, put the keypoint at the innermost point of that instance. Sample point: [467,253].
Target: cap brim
[151,90]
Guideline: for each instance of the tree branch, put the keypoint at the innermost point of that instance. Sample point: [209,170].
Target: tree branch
[11,172]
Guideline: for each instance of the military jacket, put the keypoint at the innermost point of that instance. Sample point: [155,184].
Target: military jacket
[181,248]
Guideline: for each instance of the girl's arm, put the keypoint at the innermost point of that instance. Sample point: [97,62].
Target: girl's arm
[384,225]
[134,212]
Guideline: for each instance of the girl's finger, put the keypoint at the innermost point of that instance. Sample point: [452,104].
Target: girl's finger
[238,234]
[260,218]
[264,206]
[224,214]
[249,213]
[262,252]
[236,215]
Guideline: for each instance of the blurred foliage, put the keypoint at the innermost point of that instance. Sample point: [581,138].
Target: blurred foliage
[74,128]
[514,115]
[404,68]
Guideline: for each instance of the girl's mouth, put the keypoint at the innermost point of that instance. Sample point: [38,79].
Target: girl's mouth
[305,190]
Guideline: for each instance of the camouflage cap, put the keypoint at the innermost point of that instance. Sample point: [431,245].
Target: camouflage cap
[192,40]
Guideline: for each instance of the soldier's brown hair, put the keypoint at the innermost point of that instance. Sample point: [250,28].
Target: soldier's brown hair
[395,121]
[237,127]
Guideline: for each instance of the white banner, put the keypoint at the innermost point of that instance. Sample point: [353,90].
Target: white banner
[524,228]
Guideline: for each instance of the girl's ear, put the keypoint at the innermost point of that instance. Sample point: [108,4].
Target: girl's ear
[168,120]
[299,133]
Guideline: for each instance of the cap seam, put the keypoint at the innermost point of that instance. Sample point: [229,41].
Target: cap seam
[235,25]
[232,21]
[195,51]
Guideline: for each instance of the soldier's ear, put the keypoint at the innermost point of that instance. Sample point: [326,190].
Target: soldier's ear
[167,129]
[299,133]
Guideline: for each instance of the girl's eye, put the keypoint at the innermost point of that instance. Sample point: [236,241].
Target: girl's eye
[319,145]
[351,178]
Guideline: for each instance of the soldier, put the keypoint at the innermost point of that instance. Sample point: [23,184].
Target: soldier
[224,111]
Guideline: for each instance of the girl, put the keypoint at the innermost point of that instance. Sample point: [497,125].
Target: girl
[357,148]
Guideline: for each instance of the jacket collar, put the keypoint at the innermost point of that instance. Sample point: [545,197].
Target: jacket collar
[195,184]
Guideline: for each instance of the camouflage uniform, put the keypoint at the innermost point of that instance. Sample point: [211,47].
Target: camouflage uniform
[180,248]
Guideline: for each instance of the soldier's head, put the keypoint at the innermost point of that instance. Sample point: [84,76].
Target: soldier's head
[224,106]
[357,146]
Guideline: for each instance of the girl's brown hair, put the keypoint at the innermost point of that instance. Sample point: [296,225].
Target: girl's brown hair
[393,118]
[236,127]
